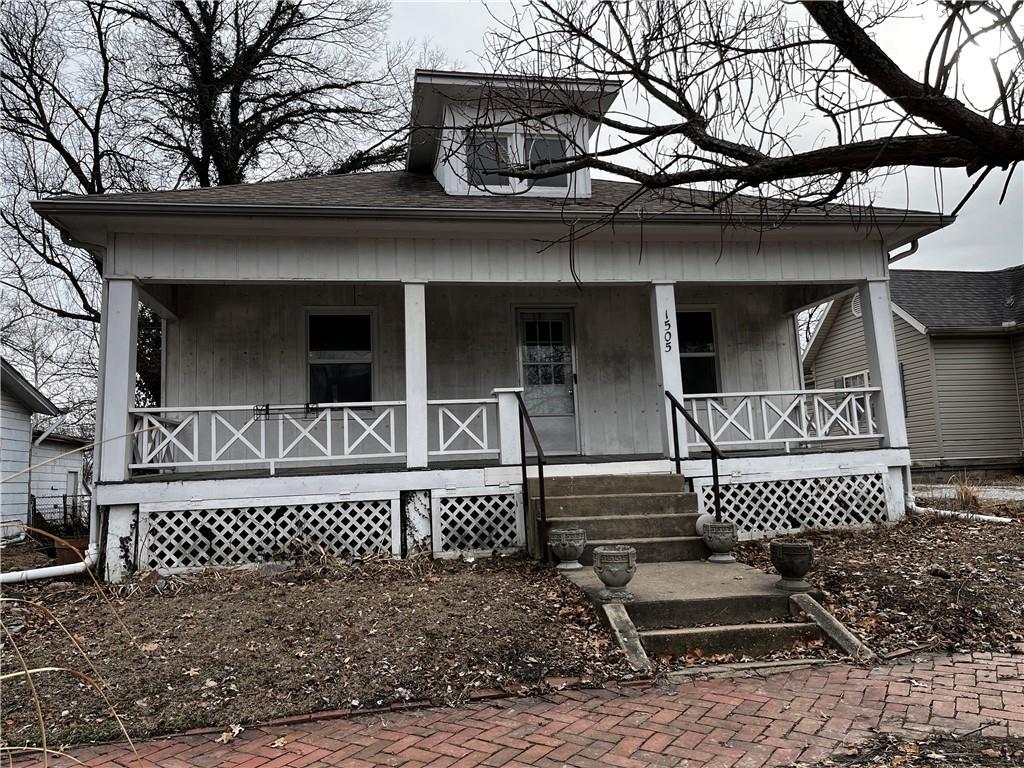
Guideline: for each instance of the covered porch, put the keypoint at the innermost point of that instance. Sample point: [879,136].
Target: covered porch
[343,377]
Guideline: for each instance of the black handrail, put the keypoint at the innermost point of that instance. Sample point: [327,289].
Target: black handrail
[525,422]
[716,454]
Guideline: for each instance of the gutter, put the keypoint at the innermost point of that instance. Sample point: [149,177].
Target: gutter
[134,208]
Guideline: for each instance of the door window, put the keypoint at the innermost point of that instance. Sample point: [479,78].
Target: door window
[547,363]
[340,358]
[698,352]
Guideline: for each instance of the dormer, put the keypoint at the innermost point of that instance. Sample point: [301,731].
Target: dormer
[468,127]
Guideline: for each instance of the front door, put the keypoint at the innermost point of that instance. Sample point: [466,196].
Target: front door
[548,378]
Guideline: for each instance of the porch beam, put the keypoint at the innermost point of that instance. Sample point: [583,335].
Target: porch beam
[415,375]
[668,373]
[883,361]
[118,341]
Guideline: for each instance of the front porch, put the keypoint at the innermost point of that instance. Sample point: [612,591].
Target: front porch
[431,452]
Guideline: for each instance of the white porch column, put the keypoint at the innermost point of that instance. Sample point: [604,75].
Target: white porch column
[666,357]
[883,362]
[415,375]
[118,339]
[508,424]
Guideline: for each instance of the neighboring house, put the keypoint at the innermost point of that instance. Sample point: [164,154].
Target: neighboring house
[21,448]
[343,355]
[960,342]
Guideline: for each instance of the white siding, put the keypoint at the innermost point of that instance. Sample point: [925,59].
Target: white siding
[341,256]
[978,406]
[245,345]
[50,479]
[15,437]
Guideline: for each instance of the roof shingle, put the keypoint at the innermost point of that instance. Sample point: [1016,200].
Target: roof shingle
[948,299]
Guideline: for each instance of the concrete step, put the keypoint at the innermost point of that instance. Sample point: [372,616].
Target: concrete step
[661,503]
[691,612]
[596,485]
[629,526]
[737,639]
[657,549]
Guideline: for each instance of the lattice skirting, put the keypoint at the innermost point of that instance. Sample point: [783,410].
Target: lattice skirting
[178,539]
[476,521]
[781,506]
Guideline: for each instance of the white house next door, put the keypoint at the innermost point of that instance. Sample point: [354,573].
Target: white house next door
[548,377]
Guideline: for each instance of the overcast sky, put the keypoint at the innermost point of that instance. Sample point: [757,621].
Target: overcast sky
[985,236]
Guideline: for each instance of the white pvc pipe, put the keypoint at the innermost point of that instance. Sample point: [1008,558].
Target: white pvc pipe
[972,516]
[20,577]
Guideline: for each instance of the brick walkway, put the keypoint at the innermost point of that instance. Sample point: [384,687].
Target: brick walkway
[803,715]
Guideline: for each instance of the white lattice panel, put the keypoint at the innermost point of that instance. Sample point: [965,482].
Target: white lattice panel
[788,505]
[476,521]
[178,539]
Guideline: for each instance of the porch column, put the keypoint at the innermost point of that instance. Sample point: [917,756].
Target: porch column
[508,424]
[415,375]
[883,362]
[118,340]
[666,358]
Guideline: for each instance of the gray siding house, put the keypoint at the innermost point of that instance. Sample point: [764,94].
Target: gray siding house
[960,342]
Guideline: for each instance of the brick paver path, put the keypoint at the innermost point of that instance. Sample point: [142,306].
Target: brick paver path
[802,715]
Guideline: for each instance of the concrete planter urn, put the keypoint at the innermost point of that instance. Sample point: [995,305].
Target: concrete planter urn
[792,559]
[615,565]
[567,545]
[720,538]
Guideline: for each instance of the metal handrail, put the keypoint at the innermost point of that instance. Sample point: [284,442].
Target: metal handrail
[716,453]
[525,422]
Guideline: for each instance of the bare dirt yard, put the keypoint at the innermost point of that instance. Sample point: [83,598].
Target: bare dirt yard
[927,583]
[970,751]
[226,648]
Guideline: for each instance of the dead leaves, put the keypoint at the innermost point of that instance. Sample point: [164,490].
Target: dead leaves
[229,735]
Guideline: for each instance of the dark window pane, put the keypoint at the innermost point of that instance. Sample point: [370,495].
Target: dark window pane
[485,155]
[699,375]
[547,150]
[339,333]
[340,383]
[696,332]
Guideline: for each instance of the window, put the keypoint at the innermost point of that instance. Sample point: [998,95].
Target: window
[698,353]
[340,358]
[485,156]
[71,489]
[543,151]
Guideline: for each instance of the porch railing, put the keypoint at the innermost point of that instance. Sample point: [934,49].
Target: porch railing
[207,436]
[786,417]
[466,427]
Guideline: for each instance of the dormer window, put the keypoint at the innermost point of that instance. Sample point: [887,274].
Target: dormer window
[490,156]
[542,152]
[486,156]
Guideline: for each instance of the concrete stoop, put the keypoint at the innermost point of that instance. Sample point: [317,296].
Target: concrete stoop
[684,605]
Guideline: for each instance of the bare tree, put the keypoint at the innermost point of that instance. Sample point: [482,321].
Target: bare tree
[796,101]
[104,96]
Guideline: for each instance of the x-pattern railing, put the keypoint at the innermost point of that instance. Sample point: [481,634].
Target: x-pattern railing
[171,438]
[787,416]
[463,427]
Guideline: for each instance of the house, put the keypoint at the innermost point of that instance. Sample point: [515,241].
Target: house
[21,447]
[960,344]
[348,359]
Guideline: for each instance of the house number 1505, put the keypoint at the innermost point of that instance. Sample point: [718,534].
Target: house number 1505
[668,332]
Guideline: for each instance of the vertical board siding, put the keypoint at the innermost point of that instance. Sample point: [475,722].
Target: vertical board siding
[494,260]
[844,353]
[15,440]
[1018,364]
[979,408]
[243,345]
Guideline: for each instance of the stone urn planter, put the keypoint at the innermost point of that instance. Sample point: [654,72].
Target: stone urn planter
[567,545]
[720,538]
[615,565]
[792,559]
